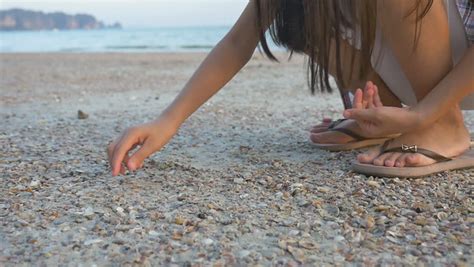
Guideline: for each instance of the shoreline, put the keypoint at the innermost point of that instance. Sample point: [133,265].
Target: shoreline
[204,52]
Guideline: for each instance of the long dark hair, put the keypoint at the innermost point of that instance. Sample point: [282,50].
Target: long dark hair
[309,26]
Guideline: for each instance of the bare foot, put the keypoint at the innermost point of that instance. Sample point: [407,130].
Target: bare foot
[369,97]
[333,137]
[448,137]
[322,127]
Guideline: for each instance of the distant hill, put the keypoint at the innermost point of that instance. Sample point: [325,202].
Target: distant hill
[26,20]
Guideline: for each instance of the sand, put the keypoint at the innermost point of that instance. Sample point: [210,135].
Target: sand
[239,185]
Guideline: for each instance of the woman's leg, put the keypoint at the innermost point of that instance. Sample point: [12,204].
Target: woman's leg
[424,67]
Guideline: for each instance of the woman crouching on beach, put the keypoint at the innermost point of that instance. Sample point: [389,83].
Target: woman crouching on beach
[413,52]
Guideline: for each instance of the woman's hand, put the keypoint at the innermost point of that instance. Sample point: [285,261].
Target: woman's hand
[149,137]
[377,120]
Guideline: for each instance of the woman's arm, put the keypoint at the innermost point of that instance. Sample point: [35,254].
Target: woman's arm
[384,120]
[457,85]
[224,61]
[222,64]
[438,87]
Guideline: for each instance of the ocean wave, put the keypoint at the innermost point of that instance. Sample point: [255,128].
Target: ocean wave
[159,47]
[72,49]
[196,47]
[136,47]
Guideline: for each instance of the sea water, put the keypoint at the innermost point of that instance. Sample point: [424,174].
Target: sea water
[169,39]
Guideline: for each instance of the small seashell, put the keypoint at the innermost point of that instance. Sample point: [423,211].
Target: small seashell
[238,180]
[297,253]
[381,220]
[296,186]
[243,254]
[317,203]
[212,206]
[452,237]
[323,189]
[441,216]
[153,233]
[282,244]
[420,220]
[369,222]
[120,211]
[393,239]
[208,241]
[179,220]
[177,236]
[373,184]
[382,208]
[92,241]
[269,179]
[307,244]
[35,184]
[155,216]
[89,213]
[294,233]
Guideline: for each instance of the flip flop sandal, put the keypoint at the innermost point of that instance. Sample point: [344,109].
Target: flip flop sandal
[464,161]
[359,141]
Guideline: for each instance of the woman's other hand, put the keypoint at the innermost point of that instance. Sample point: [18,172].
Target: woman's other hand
[378,120]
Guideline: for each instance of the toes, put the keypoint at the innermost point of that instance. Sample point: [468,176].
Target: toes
[322,127]
[401,161]
[319,138]
[363,158]
[391,160]
[319,128]
[380,160]
[315,138]
[413,160]
[369,156]
[418,160]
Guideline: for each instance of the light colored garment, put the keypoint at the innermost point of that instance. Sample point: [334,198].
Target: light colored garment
[466,9]
[388,68]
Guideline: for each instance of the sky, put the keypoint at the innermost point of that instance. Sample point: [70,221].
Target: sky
[143,13]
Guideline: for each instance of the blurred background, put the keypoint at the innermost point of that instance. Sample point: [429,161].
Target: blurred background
[115,25]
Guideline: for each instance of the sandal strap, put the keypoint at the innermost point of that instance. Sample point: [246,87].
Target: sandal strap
[413,149]
[334,124]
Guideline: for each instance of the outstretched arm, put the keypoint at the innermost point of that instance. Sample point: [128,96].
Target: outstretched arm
[220,66]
